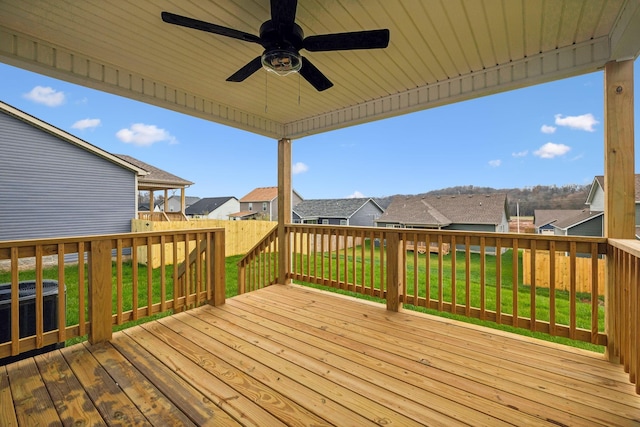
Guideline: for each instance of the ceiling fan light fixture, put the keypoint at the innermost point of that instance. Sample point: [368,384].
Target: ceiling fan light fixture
[281,62]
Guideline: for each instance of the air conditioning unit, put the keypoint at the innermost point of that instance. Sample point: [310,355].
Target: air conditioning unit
[27,314]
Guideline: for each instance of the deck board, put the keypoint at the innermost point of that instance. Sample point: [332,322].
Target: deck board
[288,355]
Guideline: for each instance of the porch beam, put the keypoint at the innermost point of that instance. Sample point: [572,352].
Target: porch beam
[284,207]
[619,180]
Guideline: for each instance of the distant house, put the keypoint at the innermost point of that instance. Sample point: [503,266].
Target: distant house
[355,211]
[487,213]
[54,184]
[262,203]
[213,208]
[174,203]
[544,219]
[462,212]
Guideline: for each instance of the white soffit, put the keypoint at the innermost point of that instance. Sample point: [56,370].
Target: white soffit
[441,51]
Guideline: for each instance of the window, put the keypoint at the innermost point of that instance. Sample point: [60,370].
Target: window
[264,206]
[250,206]
[343,222]
[325,221]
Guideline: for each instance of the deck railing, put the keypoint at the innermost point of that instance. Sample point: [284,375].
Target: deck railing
[102,283]
[480,277]
[162,216]
[623,311]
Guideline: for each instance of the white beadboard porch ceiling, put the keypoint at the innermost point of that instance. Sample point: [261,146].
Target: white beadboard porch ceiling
[441,51]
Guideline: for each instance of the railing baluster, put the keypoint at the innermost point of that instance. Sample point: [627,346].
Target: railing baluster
[498,252]
[532,288]
[594,293]
[467,266]
[552,287]
[119,290]
[163,273]
[39,305]
[453,274]
[149,275]
[134,279]
[82,307]
[483,268]
[15,312]
[62,309]
[572,290]
[427,265]
[514,282]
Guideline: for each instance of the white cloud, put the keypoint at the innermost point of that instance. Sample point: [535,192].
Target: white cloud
[551,150]
[144,135]
[355,195]
[584,122]
[299,167]
[46,96]
[495,163]
[547,129]
[86,124]
[520,153]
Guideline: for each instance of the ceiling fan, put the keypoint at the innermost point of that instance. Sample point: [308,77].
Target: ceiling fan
[282,40]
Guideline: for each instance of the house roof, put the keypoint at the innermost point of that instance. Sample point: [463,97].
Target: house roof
[242,214]
[440,52]
[583,216]
[157,179]
[207,205]
[440,211]
[263,194]
[65,136]
[331,208]
[599,179]
[542,217]
[188,200]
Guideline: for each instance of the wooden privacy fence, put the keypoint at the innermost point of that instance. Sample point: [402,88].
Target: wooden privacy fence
[583,271]
[241,236]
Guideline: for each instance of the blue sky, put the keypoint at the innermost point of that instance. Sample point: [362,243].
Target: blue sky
[549,134]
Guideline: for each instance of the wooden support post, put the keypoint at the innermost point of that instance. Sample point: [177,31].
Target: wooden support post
[394,270]
[217,260]
[619,180]
[284,208]
[100,290]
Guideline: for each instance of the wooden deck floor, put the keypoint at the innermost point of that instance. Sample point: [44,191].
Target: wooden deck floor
[287,355]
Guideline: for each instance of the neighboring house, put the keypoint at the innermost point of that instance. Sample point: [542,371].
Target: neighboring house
[479,212]
[213,208]
[54,184]
[174,203]
[544,219]
[157,179]
[262,203]
[356,212]
[590,221]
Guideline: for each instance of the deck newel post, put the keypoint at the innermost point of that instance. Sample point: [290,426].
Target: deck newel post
[619,182]
[217,260]
[394,269]
[284,208]
[100,290]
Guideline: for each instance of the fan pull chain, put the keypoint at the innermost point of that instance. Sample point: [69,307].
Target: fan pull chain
[298,88]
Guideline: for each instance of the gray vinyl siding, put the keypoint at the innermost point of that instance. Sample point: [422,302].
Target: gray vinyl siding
[365,216]
[637,214]
[593,227]
[52,188]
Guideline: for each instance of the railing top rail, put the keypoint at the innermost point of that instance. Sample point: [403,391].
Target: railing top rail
[427,231]
[629,245]
[96,237]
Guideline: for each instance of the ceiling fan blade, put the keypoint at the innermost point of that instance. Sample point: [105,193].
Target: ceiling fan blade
[283,12]
[246,71]
[196,24]
[314,76]
[373,39]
